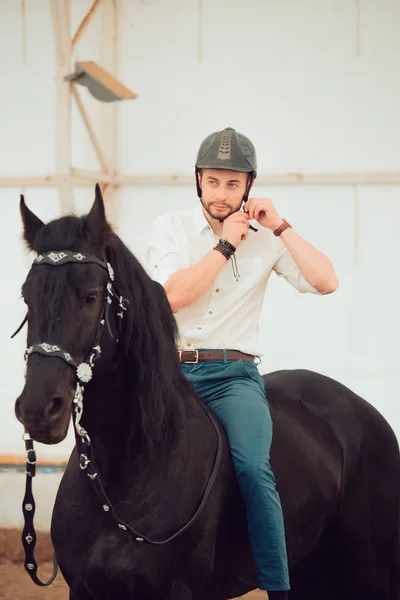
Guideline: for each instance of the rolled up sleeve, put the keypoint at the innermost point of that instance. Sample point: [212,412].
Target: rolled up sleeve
[163,255]
[286,267]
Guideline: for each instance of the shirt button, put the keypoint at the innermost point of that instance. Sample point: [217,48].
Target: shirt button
[199,328]
[210,312]
[156,266]
[217,290]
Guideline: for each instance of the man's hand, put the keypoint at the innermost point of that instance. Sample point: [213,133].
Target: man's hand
[264,212]
[236,228]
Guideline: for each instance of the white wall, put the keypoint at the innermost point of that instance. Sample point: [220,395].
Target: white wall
[286,74]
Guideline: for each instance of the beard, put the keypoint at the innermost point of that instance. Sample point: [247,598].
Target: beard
[219,215]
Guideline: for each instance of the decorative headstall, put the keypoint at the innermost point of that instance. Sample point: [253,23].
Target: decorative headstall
[84,373]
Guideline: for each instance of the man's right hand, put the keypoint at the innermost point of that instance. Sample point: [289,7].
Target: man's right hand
[236,228]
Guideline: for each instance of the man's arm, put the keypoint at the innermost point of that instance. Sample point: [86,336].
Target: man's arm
[314,266]
[184,286]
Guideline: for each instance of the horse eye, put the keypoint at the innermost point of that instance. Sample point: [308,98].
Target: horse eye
[91,298]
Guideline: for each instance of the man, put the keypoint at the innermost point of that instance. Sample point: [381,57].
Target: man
[215,265]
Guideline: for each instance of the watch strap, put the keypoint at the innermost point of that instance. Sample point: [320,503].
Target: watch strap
[282,228]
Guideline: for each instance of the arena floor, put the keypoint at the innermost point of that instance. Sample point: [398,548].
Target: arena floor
[15,583]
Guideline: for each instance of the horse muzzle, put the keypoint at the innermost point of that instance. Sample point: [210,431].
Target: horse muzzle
[46,421]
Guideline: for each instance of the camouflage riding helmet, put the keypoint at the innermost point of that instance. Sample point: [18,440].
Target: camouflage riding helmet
[229,150]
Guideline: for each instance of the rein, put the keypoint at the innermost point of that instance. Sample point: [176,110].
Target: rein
[87,462]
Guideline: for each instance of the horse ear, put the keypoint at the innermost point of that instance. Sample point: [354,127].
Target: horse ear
[96,222]
[32,223]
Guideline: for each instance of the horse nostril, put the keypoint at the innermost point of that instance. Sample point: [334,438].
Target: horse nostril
[18,411]
[55,408]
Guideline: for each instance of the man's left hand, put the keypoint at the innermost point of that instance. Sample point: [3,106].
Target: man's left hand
[264,212]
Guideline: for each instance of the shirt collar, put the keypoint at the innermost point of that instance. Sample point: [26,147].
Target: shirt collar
[200,221]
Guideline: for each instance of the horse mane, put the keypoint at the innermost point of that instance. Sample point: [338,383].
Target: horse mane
[149,344]
[147,351]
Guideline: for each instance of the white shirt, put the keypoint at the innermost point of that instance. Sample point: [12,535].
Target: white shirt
[227,316]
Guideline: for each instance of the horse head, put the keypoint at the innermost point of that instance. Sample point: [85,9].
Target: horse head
[68,291]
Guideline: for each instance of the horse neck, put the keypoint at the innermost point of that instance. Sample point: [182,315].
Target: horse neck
[142,405]
[115,425]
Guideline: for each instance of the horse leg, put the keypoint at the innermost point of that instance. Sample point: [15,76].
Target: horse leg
[362,539]
[180,591]
[73,596]
[309,580]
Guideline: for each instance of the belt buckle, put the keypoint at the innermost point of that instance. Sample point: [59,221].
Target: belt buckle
[193,362]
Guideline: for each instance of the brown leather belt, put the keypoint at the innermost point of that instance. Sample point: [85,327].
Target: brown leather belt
[196,356]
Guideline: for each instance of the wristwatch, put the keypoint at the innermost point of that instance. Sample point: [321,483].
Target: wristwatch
[282,228]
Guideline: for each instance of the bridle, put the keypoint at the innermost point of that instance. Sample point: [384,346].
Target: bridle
[84,373]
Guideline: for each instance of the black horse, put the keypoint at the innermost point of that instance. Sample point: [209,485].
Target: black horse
[336,459]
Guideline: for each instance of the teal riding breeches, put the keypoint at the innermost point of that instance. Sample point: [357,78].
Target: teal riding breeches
[234,391]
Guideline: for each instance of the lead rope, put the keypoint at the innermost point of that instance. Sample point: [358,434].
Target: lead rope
[28,508]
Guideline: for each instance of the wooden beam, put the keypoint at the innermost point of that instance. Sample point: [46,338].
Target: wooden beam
[389,178]
[58,30]
[109,58]
[90,177]
[84,23]
[28,181]
[61,30]
[93,137]
[86,177]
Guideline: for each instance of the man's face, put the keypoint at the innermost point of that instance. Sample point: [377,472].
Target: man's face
[222,191]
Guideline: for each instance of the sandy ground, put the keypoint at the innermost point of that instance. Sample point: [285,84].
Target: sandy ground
[15,583]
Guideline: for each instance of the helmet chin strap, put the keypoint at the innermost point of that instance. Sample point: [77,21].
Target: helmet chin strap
[250,226]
